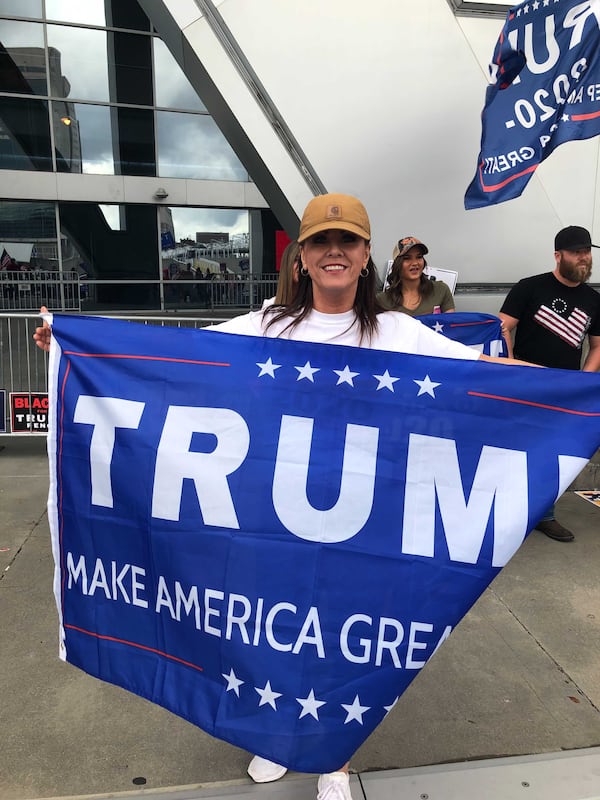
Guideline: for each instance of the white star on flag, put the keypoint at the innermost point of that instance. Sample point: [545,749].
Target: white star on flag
[386,381]
[233,682]
[310,705]
[426,386]
[354,711]
[438,327]
[345,376]
[306,372]
[389,708]
[268,368]
[267,695]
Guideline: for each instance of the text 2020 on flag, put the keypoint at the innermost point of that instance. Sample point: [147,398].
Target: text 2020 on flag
[545,90]
[271,538]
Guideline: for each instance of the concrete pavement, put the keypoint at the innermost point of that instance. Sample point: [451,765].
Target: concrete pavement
[520,676]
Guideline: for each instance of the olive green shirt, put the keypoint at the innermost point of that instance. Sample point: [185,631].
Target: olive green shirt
[439,300]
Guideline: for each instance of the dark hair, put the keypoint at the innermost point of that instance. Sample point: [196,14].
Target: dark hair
[394,289]
[366,307]
[286,285]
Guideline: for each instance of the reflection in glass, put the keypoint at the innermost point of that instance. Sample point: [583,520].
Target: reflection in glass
[136,142]
[21,8]
[130,68]
[67,143]
[173,90]
[24,134]
[189,222]
[90,12]
[205,257]
[113,216]
[114,14]
[126,14]
[83,132]
[192,146]
[80,56]
[22,59]
[26,221]
[114,256]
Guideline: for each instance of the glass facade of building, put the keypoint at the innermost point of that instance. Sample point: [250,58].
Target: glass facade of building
[88,89]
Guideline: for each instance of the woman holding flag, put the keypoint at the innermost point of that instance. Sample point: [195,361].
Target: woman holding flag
[335,303]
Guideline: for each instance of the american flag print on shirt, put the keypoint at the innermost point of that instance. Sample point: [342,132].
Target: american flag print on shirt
[571,329]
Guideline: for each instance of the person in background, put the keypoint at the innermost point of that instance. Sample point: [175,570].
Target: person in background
[287,283]
[334,303]
[409,289]
[552,314]
[288,275]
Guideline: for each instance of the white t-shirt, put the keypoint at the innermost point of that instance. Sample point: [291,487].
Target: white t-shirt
[396,332]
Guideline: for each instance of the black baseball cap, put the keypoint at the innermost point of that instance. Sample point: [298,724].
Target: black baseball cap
[573,238]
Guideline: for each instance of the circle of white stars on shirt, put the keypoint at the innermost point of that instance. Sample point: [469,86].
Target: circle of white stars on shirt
[310,705]
[386,381]
[267,368]
[559,305]
[354,711]
[268,696]
[426,386]
[306,372]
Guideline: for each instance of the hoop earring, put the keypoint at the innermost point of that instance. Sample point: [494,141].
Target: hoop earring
[303,272]
[364,272]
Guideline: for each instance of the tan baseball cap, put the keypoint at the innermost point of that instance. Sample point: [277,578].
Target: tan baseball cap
[335,211]
[405,244]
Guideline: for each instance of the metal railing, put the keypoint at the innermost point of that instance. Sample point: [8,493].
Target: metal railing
[24,368]
[69,291]
[28,290]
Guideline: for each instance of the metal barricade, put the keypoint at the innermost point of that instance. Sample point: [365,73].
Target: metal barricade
[27,291]
[24,368]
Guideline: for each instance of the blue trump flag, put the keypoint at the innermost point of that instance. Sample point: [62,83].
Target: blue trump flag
[483,332]
[270,538]
[545,90]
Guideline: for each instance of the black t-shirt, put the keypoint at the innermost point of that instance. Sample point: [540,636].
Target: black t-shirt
[554,320]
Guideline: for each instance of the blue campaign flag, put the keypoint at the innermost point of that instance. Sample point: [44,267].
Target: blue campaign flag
[167,241]
[483,332]
[545,90]
[270,538]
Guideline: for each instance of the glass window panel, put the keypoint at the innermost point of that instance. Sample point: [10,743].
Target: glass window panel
[115,14]
[90,12]
[203,245]
[22,58]
[24,134]
[192,146]
[173,90]
[78,63]
[127,14]
[103,253]
[82,138]
[136,142]
[21,8]
[103,140]
[132,68]
[114,216]
[26,221]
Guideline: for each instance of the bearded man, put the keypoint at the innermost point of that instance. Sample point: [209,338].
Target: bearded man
[552,315]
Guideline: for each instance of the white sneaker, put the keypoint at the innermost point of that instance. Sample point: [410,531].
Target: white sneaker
[261,770]
[334,786]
